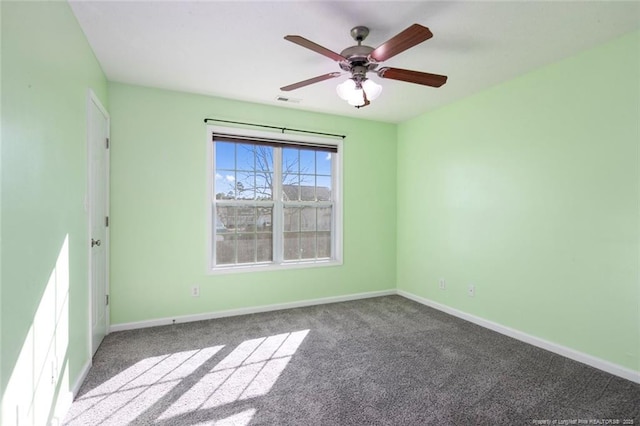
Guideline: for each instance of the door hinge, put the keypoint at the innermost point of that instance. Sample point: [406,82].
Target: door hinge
[107,299]
[106,221]
[107,143]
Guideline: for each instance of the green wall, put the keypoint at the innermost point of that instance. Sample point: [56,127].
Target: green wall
[158,208]
[530,191]
[47,68]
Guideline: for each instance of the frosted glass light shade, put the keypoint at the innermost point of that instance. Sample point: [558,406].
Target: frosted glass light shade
[345,89]
[372,89]
[350,92]
[356,97]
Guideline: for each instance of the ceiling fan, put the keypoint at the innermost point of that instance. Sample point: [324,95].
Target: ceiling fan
[358,90]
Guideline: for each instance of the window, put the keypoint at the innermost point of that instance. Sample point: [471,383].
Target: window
[274,200]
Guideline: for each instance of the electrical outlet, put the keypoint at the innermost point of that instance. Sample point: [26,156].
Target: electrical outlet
[442,283]
[472,290]
[195,291]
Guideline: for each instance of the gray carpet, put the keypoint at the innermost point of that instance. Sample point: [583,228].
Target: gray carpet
[381,361]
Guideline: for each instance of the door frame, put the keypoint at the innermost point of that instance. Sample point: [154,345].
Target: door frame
[93,99]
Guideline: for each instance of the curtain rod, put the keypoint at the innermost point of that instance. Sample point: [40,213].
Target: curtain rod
[282,129]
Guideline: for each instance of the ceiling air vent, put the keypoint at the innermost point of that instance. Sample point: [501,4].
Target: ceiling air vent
[289,100]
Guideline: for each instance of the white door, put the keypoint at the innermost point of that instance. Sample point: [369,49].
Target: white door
[98,164]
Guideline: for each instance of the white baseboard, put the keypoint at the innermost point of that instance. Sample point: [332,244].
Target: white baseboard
[65,400]
[80,380]
[584,358]
[251,310]
[592,361]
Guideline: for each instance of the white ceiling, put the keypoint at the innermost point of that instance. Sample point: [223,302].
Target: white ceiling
[235,49]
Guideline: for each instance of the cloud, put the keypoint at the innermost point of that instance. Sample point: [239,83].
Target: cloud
[218,176]
[230,178]
[328,157]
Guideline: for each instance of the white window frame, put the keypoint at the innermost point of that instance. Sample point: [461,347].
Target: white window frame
[278,214]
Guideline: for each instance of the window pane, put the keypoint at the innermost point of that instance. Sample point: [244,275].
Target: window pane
[245,157]
[307,162]
[246,248]
[226,219]
[225,184]
[264,219]
[324,219]
[308,219]
[245,186]
[264,158]
[225,153]
[324,245]
[307,245]
[246,238]
[263,186]
[245,219]
[290,163]
[291,246]
[291,219]
[307,232]
[323,163]
[307,180]
[243,235]
[225,249]
[308,190]
[225,246]
[290,187]
[323,188]
[264,247]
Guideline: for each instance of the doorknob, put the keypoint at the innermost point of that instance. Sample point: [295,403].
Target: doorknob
[95,242]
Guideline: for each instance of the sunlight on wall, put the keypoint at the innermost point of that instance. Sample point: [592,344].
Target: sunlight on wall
[39,383]
[249,371]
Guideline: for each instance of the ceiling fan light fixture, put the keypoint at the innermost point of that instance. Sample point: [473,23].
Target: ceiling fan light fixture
[346,88]
[358,90]
[356,98]
[372,89]
[354,93]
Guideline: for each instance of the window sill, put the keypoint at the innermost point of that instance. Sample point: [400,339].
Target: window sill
[222,270]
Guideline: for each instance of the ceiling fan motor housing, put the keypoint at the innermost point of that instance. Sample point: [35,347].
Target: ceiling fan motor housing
[358,56]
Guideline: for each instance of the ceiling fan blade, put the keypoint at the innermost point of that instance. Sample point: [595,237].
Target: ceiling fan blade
[315,47]
[417,77]
[413,35]
[310,81]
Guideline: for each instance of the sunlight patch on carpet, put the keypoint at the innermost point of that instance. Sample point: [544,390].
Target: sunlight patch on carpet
[249,371]
[133,391]
[241,419]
